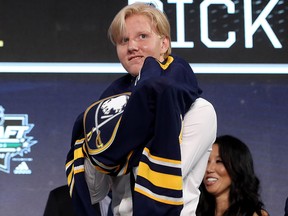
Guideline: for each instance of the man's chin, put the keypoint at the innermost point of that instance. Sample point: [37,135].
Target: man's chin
[134,71]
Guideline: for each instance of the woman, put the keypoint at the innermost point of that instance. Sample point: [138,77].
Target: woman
[129,140]
[230,186]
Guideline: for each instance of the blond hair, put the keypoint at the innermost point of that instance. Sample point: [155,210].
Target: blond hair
[157,17]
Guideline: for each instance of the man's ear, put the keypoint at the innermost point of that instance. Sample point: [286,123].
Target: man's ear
[165,44]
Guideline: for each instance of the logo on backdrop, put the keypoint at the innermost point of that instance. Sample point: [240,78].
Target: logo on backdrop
[15,143]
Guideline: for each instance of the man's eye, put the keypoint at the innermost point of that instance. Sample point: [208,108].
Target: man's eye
[143,36]
[124,40]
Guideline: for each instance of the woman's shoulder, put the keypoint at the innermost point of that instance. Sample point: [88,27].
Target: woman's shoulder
[263,213]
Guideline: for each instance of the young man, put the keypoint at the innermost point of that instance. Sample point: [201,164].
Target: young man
[148,138]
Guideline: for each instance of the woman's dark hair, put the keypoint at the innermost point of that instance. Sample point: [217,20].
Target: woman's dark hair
[244,195]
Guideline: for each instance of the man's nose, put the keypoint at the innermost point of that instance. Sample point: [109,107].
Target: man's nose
[132,45]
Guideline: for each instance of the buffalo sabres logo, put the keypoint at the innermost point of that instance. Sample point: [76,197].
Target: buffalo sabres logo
[113,106]
[13,138]
[101,121]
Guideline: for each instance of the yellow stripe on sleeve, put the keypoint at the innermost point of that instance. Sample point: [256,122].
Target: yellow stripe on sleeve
[161,160]
[78,153]
[160,179]
[157,197]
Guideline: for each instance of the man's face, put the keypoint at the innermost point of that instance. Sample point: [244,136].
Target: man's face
[138,42]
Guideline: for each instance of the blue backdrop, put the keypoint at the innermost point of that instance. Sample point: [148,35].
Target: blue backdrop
[251,107]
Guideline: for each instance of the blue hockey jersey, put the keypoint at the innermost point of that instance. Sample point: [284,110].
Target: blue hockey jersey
[136,123]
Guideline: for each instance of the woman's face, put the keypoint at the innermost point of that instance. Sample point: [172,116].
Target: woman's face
[217,180]
[139,41]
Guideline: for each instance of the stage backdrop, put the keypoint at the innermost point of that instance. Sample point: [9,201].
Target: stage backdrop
[251,107]
[55,60]
[211,34]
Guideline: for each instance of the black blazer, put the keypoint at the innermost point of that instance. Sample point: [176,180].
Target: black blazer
[59,203]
